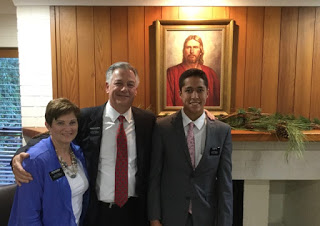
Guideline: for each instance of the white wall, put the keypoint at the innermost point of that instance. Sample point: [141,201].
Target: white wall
[35,63]
[8,24]
[28,28]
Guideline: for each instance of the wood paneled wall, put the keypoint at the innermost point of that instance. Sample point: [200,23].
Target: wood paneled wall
[278,53]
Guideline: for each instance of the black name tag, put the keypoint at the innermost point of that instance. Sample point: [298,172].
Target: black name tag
[215,151]
[56,174]
[94,130]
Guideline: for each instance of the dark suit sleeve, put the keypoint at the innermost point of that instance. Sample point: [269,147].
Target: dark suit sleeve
[83,128]
[224,182]
[31,143]
[154,196]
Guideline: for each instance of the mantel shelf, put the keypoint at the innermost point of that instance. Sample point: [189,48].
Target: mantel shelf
[33,131]
[237,135]
[244,135]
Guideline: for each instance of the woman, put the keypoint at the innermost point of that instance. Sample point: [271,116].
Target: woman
[57,195]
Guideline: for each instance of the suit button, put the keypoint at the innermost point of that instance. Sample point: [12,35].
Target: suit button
[192,175]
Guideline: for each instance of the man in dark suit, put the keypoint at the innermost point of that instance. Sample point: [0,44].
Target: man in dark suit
[190,177]
[97,136]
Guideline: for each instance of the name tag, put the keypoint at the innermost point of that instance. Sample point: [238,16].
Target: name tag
[94,130]
[56,174]
[215,151]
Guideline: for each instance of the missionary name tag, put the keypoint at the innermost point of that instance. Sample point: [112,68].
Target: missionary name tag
[56,174]
[94,130]
[215,151]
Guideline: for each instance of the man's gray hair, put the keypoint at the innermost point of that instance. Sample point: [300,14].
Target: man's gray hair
[122,65]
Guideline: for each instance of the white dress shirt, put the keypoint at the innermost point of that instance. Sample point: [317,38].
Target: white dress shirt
[105,186]
[199,131]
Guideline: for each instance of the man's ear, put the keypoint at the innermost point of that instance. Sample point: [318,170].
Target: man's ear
[47,125]
[180,93]
[107,87]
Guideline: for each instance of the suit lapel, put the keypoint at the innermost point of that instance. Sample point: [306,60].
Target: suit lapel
[138,122]
[180,135]
[210,141]
[210,133]
[97,119]
[95,126]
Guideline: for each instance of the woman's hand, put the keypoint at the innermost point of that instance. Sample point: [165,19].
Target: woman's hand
[210,116]
[155,223]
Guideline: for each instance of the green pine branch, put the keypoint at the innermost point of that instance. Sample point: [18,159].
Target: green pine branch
[283,126]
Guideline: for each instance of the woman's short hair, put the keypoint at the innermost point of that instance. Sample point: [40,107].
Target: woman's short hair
[58,107]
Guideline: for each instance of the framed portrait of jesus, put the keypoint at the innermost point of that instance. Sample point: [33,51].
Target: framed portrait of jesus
[178,45]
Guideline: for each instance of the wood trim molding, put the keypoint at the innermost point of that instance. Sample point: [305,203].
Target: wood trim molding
[243,135]
[9,53]
[33,131]
[237,135]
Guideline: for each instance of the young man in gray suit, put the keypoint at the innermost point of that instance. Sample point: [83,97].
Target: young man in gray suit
[190,179]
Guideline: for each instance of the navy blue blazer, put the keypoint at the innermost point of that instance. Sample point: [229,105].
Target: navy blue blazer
[44,201]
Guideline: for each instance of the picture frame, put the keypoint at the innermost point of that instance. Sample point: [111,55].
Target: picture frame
[168,41]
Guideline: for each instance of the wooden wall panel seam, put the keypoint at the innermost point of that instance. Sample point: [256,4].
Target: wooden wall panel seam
[262,42]
[315,92]
[53,52]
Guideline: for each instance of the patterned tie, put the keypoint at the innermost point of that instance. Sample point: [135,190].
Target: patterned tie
[121,172]
[191,147]
[191,143]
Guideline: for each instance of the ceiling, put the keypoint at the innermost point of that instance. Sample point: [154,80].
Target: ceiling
[170,2]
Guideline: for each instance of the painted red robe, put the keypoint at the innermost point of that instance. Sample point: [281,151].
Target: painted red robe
[173,75]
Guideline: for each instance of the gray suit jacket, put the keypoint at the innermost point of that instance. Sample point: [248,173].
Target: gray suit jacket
[173,182]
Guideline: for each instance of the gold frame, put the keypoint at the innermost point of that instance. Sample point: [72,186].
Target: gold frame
[158,34]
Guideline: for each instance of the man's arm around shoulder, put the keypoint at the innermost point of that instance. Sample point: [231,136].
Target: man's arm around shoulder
[22,176]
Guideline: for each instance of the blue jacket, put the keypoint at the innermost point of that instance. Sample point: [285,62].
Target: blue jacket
[44,201]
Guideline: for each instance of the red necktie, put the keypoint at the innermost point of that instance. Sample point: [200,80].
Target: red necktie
[121,171]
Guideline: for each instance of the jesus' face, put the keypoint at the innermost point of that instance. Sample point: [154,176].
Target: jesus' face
[191,51]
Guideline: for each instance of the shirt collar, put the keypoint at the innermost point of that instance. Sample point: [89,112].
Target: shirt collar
[113,114]
[198,123]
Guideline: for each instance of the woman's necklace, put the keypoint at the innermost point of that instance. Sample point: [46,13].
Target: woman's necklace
[70,170]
